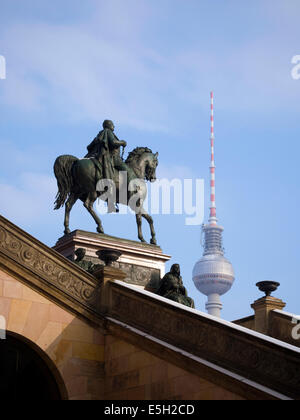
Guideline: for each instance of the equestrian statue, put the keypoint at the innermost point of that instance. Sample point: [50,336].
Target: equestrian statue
[103,173]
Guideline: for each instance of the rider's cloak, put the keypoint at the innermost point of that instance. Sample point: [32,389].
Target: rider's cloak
[99,149]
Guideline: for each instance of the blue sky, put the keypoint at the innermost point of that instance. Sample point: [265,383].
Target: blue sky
[149,65]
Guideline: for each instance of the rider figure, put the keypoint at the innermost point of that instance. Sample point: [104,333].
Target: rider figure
[106,149]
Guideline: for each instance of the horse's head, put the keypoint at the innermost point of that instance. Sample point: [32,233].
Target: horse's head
[144,162]
[150,168]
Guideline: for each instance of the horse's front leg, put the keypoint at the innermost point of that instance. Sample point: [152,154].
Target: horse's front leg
[88,204]
[68,207]
[150,221]
[139,226]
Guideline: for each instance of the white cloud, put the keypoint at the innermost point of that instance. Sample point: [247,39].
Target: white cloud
[31,201]
[108,68]
[174,172]
[83,75]
[253,77]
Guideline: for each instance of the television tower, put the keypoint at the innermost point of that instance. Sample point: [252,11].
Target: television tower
[213,274]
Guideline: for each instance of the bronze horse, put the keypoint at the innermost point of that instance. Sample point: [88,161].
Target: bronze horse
[79,179]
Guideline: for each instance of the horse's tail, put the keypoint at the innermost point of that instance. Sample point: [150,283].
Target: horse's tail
[63,172]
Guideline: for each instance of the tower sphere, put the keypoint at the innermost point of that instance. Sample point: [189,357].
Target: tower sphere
[213,274]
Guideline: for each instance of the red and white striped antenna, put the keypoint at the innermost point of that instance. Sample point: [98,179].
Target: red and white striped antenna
[213,215]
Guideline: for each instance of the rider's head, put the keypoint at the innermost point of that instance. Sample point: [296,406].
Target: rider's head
[108,124]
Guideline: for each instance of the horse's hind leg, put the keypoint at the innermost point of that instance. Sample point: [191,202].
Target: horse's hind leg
[88,204]
[68,207]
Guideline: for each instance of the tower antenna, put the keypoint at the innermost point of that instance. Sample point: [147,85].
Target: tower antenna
[213,214]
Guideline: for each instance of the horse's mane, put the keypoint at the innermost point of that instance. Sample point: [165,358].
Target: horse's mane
[136,153]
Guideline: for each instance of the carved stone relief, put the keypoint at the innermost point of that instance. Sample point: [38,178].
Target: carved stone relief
[51,271]
[212,342]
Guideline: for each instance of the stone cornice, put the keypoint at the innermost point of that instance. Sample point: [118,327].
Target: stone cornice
[45,270]
[235,349]
[195,365]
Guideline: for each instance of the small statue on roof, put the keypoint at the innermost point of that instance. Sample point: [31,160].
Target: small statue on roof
[171,287]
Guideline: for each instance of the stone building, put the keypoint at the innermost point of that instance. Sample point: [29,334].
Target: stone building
[71,335]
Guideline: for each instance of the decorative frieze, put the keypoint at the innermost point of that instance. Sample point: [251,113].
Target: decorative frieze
[269,364]
[52,268]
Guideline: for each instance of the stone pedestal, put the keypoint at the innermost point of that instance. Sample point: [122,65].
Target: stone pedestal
[105,275]
[144,264]
[262,308]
